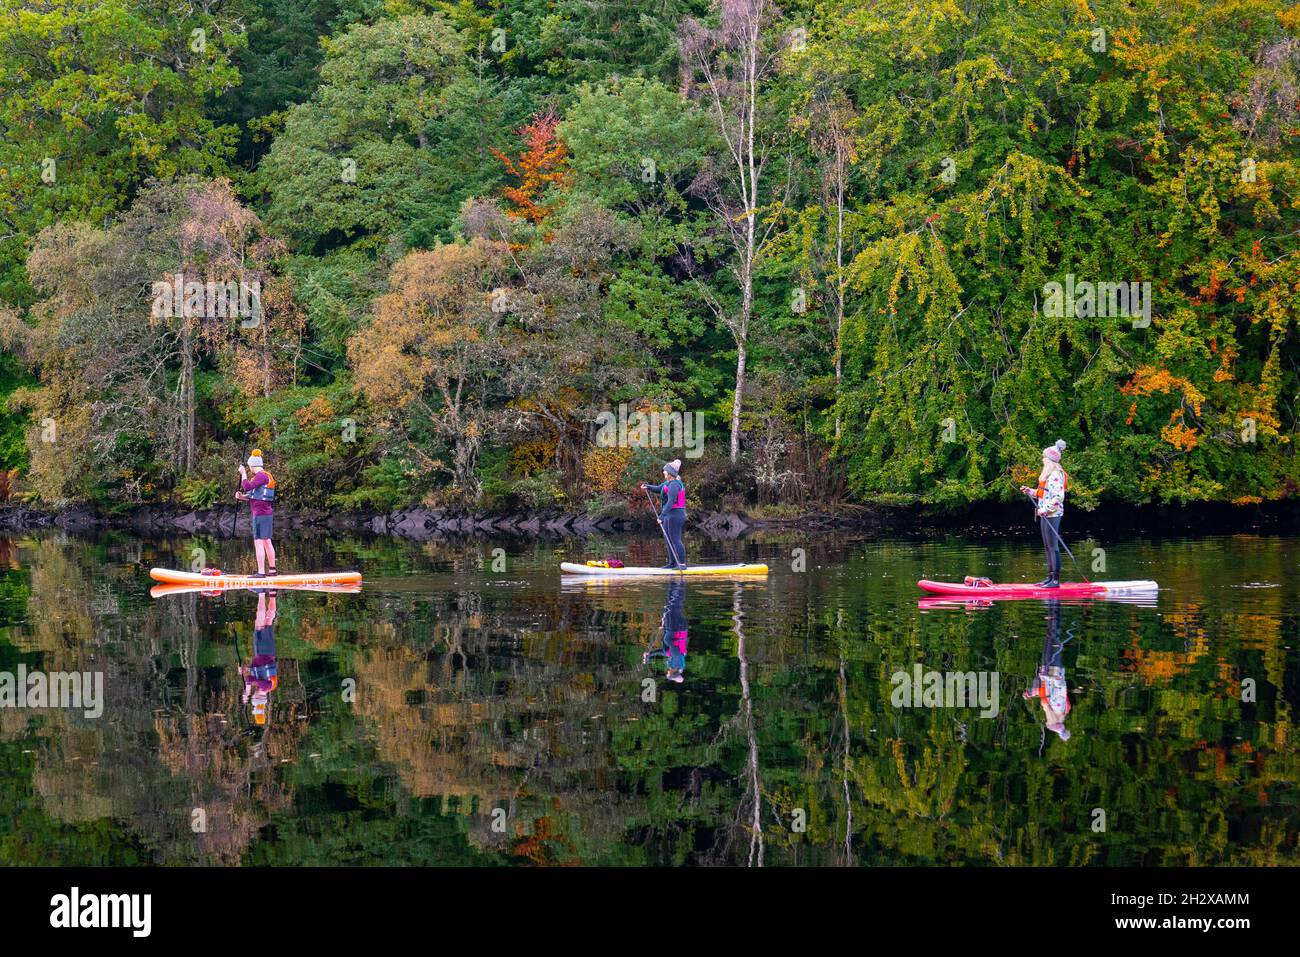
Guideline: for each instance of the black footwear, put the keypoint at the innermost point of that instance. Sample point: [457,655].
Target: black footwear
[669,565]
[1044,583]
[1052,583]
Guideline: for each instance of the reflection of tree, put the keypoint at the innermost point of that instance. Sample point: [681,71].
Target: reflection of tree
[842,686]
[227,777]
[439,744]
[67,608]
[474,723]
[746,817]
[746,814]
[754,787]
[1158,666]
[160,686]
[232,775]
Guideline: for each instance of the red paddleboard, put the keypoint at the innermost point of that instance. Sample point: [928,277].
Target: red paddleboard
[1066,589]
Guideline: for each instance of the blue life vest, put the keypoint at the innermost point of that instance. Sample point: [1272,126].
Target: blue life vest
[264,672]
[264,493]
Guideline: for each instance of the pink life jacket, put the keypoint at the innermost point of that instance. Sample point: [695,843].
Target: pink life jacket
[681,496]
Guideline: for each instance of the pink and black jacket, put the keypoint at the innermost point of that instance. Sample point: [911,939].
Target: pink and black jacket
[673,493]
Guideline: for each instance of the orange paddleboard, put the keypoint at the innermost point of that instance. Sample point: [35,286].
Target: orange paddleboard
[158,591]
[171,577]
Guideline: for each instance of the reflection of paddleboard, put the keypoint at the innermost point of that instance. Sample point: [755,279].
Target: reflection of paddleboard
[633,571]
[969,603]
[159,590]
[1066,589]
[215,582]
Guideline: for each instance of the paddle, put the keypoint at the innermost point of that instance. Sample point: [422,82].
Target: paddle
[1059,540]
[663,628]
[667,541]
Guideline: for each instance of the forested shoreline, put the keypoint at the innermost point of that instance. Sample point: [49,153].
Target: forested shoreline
[455,255]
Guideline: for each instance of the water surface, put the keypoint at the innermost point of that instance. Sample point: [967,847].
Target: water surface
[469,708]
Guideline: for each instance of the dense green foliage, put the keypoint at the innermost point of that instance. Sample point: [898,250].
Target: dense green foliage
[479,226]
[13,441]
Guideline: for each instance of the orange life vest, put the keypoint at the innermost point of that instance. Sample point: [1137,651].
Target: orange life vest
[264,493]
[1042,484]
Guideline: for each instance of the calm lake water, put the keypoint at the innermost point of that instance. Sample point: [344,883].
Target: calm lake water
[469,708]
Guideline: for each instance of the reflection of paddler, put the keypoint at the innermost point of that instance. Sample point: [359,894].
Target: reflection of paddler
[1049,685]
[261,676]
[673,632]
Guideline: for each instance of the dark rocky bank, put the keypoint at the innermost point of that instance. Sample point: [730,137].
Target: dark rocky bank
[413,523]
[990,519]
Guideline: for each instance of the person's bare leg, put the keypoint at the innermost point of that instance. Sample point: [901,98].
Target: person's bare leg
[259,546]
[270,554]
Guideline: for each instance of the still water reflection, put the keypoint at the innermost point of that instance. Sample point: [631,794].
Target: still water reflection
[466,710]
